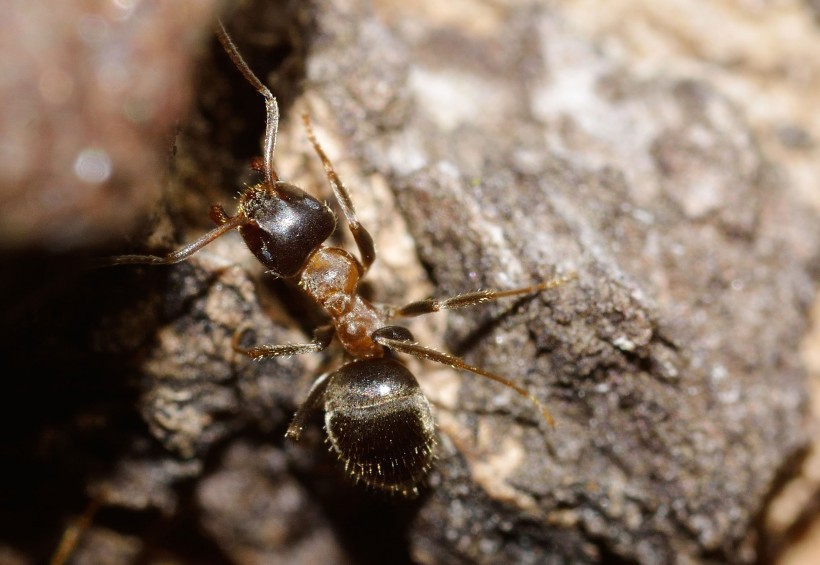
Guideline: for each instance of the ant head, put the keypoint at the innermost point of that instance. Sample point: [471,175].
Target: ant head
[379,423]
[285,225]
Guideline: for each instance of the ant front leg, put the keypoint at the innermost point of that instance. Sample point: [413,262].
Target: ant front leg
[431,305]
[361,236]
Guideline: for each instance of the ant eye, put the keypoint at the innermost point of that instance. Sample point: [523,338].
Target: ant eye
[379,424]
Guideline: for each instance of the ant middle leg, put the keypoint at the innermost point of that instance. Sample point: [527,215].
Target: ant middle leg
[431,305]
[361,236]
[322,337]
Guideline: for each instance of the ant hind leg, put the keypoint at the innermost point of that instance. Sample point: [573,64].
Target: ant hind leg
[306,408]
[421,352]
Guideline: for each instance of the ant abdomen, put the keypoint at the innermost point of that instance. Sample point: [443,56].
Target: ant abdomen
[378,422]
[284,225]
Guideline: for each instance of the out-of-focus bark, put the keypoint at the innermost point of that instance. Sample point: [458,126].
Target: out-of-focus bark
[91,94]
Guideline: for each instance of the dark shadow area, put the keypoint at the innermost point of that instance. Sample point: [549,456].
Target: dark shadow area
[371,526]
[68,411]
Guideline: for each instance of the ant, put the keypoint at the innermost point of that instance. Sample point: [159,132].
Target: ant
[377,419]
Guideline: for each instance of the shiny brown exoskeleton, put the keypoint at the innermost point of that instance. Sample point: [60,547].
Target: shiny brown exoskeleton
[377,419]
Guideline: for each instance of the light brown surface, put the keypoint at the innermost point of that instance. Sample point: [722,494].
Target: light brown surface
[91,92]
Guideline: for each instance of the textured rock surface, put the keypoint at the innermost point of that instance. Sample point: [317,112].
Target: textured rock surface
[490,151]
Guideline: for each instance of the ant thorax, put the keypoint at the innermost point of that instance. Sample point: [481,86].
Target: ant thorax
[331,278]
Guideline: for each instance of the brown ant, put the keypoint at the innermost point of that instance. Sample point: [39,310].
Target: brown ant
[377,419]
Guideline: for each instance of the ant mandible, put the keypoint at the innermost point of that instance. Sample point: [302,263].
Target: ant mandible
[377,419]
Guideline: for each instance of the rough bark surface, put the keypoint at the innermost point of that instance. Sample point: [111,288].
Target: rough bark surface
[491,151]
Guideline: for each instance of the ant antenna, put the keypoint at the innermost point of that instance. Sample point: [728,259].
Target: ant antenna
[226,225]
[271,106]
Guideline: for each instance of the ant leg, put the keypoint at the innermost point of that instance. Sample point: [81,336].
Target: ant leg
[405,345]
[473,298]
[271,106]
[311,403]
[321,339]
[360,235]
[226,224]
